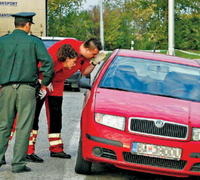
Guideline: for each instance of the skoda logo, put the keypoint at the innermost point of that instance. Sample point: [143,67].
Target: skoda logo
[159,123]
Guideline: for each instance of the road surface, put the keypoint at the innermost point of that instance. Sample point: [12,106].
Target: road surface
[63,169]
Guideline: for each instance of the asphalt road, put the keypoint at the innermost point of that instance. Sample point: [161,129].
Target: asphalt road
[62,169]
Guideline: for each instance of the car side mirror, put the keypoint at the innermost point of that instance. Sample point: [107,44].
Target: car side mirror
[85,83]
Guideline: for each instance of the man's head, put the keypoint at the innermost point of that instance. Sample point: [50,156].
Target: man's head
[67,55]
[90,48]
[23,20]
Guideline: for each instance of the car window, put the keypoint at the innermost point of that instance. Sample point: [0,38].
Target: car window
[95,73]
[49,43]
[153,77]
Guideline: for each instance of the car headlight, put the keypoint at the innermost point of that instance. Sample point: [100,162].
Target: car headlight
[196,134]
[117,122]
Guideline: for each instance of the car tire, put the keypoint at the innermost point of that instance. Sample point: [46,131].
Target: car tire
[82,166]
[76,89]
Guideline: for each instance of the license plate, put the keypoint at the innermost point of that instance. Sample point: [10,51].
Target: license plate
[152,150]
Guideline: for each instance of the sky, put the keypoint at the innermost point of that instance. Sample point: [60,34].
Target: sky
[90,3]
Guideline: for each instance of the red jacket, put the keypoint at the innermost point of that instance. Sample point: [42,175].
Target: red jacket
[61,73]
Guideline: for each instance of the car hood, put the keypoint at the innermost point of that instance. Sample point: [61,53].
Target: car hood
[131,104]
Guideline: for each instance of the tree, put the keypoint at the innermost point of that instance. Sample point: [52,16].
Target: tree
[143,21]
[188,38]
[58,14]
[187,24]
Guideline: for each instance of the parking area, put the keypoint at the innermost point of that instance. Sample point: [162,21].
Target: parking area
[62,169]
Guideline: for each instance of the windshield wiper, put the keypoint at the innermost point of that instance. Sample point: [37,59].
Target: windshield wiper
[164,95]
[114,88]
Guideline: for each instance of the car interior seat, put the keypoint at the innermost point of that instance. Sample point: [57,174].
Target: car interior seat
[181,85]
[155,87]
[126,78]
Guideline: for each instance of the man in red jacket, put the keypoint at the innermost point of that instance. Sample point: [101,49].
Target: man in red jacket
[86,51]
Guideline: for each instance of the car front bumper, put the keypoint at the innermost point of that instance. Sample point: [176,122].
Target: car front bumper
[115,148]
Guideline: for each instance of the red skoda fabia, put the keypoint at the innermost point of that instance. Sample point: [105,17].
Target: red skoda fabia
[142,113]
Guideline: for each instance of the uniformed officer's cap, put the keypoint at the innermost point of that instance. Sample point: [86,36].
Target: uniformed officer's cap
[24,17]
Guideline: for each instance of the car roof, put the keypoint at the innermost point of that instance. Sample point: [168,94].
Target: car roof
[157,56]
[56,38]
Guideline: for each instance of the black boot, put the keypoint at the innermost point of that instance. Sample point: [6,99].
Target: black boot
[22,170]
[60,155]
[33,158]
[3,160]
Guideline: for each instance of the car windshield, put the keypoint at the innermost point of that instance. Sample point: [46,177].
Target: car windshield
[49,43]
[153,77]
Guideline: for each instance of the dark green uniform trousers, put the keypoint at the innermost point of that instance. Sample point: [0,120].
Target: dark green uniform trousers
[20,100]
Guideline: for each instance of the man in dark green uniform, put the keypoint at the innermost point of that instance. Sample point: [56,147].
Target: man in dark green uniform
[19,57]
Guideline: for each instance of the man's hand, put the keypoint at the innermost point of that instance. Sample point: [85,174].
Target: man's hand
[42,92]
[40,81]
[98,58]
[50,87]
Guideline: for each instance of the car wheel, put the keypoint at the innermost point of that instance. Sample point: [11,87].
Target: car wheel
[75,89]
[82,166]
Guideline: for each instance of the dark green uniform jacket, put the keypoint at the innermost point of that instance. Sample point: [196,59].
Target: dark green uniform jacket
[19,57]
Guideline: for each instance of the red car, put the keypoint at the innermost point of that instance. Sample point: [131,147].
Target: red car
[142,113]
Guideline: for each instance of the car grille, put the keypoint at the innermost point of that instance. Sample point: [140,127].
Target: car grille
[195,167]
[107,153]
[104,153]
[158,128]
[151,161]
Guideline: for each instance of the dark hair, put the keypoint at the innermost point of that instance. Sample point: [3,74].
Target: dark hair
[20,23]
[93,43]
[66,51]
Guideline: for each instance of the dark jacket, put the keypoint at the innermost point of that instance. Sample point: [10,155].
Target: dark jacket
[19,57]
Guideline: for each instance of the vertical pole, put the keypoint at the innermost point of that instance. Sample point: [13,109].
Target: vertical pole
[132,45]
[46,18]
[101,24]
[171,27]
